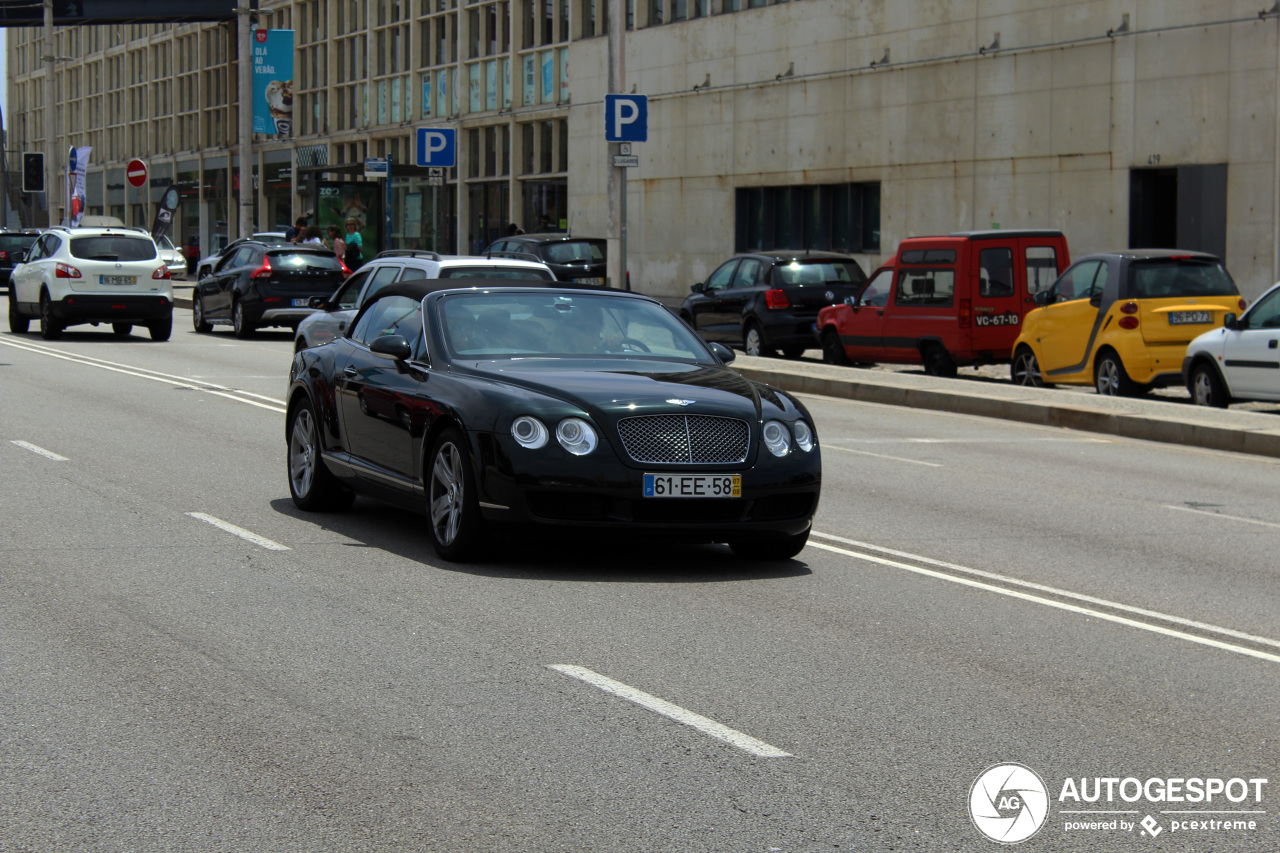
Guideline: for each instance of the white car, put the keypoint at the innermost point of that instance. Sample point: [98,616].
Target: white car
[1241,360]
[172,258]
[92,275]
[403,265]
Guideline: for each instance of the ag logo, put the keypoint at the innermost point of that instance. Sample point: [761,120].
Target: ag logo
[1008,803]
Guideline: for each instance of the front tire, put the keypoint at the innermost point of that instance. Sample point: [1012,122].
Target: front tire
[1207,388]
[121,330]
[784,548]
[198,322]
[832,349]
[1110,378]
[453,506]
[311,484]
[1026,369]
[18,322]
[50,329]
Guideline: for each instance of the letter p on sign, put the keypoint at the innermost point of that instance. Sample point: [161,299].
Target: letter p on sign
[626,118]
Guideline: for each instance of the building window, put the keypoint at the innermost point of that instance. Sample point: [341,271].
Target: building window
[833,217]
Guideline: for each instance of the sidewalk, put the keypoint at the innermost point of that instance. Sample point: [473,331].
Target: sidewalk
[1153,419]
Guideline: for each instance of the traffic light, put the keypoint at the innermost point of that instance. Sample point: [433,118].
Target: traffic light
[32,172]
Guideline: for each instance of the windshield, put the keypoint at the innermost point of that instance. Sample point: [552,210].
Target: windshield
[531,323]
[575,252]
[113,247]
[820,272]
[1179,277]
[497,272]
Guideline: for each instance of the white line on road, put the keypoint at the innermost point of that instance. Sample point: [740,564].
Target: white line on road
[1071,608]
[248,536]
[48,454]
[1221,515]
[882,456]
[709,727]
[156,376]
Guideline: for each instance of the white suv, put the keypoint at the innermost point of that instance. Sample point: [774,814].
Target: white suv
[402,265]
[92,275]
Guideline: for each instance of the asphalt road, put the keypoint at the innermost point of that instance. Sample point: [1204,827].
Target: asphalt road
[976,592]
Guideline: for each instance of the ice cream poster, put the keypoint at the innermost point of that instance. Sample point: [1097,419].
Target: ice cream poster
[273,82]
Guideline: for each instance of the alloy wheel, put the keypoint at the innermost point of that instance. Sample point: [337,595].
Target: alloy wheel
[302,452]
[446,495]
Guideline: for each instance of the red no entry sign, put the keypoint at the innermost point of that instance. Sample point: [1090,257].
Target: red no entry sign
[136,172]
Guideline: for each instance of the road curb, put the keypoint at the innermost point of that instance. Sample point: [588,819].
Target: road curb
[1261,440]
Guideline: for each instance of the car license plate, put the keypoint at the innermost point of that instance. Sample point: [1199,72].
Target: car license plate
[117,280]
[1182,318]
[300,303]
[594,282]
[693,485]
[996,320]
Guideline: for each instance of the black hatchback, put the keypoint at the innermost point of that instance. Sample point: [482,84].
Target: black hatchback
[265,284]
[14,246]
[766,301]
[580,260]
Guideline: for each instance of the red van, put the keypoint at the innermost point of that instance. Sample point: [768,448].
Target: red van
[945,301]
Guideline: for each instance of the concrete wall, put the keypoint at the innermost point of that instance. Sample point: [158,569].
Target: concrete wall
[1040,132]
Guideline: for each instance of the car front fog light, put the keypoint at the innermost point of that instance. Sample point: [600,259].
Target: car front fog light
[529,432]
[576,436]
[776,438]
[804,436]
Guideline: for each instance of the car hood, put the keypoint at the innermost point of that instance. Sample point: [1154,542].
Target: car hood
[635,386]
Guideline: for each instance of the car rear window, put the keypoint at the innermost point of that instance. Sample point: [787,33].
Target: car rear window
[294,260]
[113,247]
[497,272]
[16,242]
[574,252]
[820,272]
[1179,277]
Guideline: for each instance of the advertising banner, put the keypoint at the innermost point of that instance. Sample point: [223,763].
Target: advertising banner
[273,82]
[77,166]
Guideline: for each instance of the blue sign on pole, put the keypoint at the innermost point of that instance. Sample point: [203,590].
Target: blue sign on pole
[437,146]
[273,82]
[626,118]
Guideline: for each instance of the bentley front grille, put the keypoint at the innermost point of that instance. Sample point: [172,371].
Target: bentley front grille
[685,439]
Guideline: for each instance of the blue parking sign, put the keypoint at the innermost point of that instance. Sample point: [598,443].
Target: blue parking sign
[626,118]
[436,146]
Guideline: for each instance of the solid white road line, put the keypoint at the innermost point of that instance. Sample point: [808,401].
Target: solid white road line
[674,712]
[248,536]
[48,454]
[1072,608]
[882,456]
[1220,515]
[156,376]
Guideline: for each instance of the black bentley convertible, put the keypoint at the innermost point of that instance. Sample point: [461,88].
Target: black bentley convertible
[601,412]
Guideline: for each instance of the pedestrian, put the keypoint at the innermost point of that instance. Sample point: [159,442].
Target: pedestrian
[336,242]
[292,233]
[353,256]
[311,236]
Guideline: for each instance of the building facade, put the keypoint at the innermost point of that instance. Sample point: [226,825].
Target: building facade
[844,124]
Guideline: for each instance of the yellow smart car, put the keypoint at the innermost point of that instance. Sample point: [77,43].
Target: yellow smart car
[1121,321]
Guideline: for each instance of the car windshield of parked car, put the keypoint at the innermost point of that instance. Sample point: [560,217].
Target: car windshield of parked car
[1178,277]
[113,247]
[499,324]
[531,274]
[820,272]
[575,252]
[297,261]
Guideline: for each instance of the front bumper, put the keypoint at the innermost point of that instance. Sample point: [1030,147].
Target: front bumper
[109,308]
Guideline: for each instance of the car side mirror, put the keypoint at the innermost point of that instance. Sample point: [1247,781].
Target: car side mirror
[698,288]
[318,302]
[722,352]
[1042,298]
[1095,300]
[394,346]
[1230,321]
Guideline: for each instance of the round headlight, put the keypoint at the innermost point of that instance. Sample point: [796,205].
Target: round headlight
[776,438]
[529,432]
[576,436]
[804,436]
